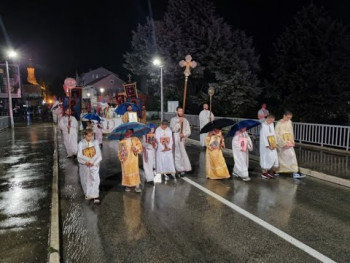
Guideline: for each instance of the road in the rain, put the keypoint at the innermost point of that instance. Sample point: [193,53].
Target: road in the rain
[25,192]
[177,222]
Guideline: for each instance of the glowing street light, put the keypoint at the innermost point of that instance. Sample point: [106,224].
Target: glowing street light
[158,63]
[88,95]
[10,54]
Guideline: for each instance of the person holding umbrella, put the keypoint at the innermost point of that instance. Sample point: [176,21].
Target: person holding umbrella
[216,167]
[130,115]
[241,145]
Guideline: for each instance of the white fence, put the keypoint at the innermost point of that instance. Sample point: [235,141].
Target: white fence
[318,134]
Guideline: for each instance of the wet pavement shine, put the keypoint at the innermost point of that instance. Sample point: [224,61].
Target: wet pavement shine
[177,222]
[26,159]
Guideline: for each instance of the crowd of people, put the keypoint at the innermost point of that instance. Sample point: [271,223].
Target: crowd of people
[164,153]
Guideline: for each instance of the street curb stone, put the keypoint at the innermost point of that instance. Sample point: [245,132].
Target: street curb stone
[54,245]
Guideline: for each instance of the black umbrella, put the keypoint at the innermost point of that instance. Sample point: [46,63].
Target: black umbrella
[217,124]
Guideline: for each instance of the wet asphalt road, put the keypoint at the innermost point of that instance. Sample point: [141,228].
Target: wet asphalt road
[176,222]
[25,192]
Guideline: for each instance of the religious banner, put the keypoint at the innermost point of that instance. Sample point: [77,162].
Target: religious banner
[287,137]
[15,83]
[130,90]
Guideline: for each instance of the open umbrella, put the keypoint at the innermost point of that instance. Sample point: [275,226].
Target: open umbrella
[122,108]
[138,128]
[248,124]
[92,116]
[217,124]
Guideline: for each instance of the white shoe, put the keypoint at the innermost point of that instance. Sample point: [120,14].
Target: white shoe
[298,176]
[138,189]
[246,179]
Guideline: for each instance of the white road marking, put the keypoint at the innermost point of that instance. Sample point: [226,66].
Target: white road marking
[312,252]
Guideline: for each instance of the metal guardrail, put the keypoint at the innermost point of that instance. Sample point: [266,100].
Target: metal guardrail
[4,122]
[319,134]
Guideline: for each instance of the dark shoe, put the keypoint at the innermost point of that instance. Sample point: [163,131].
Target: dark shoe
[182,174]
[150,182]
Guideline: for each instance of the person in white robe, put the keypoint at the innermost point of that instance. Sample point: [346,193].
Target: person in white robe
[205,116]
[98,129]
[285,146]
[55,109]
[149,143]
[268,144]
[69,127]
[164,155]
[241,145]
[181,130]
[89,158]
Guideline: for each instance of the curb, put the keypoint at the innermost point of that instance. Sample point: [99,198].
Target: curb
[54,245]
[312,173]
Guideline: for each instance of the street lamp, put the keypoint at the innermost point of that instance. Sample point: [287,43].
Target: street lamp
[102,90]
[10,54]
[211,92]
[158,63]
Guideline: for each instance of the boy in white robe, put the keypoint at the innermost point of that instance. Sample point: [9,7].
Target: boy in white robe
[204,118]
[89,158]
[268,145]
[164,155]
[181,130]
[149,143]
[69,126]
[285,146]
[241,145]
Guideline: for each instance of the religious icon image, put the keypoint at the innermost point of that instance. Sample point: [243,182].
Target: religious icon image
[272,141]
[287,137]
[130,90]
[165,141]
[215,141]
[132,117]
[89,152]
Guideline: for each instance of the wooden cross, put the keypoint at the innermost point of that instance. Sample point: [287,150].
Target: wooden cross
[129,76]
[188,63]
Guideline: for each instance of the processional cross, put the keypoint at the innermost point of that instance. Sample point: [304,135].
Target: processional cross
[188,63]
[129,76]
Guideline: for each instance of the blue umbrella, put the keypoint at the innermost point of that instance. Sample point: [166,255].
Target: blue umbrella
[92,116]
[138,128]
[122,108]
[248,124]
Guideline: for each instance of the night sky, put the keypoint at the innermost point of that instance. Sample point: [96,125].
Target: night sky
[63,38]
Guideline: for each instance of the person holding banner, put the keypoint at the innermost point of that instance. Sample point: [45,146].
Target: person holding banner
[89,158]
[241,145]
[268,145]
[69,127]
[285,146]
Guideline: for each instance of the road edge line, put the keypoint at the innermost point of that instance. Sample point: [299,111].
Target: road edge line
[295,242]
[319,175]
[54,245]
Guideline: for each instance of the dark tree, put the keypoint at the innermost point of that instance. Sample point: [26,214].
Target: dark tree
[311,74]
[226,58]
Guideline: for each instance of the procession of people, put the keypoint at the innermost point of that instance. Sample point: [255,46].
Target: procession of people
[163,148]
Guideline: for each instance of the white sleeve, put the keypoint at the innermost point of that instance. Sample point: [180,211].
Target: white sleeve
[81,158]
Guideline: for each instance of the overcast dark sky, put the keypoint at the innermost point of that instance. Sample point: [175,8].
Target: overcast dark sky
[63,37]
